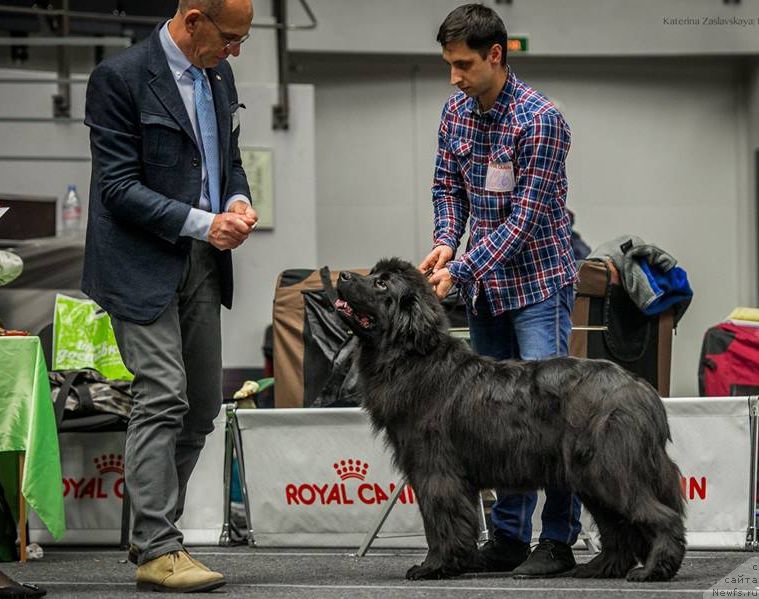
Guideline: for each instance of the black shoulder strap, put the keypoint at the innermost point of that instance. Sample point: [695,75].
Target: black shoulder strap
[85,397]
[63,393]
[329,289]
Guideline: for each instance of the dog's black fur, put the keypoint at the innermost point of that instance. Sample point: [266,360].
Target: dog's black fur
[458,423]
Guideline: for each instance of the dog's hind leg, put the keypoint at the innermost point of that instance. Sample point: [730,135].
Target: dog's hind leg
[663,528]
[448,507]
[657,512]
[621,461]
[616,557]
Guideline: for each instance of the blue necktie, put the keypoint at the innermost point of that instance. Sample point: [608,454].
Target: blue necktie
[209,134]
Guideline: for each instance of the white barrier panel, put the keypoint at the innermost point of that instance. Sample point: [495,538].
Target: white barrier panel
[711,442]
[319,477]
[92,465]
[299,498]
[203,516]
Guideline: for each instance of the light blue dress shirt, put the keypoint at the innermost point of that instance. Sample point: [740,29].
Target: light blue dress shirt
[199,220]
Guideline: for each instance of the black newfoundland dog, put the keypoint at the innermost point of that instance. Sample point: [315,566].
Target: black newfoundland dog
[458,423]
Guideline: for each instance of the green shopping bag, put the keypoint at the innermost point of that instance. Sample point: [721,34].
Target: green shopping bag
[83,338]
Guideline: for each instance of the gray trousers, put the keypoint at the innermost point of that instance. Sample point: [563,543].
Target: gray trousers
[176,362]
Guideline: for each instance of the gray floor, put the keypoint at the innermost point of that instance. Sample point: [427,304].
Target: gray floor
[315,574]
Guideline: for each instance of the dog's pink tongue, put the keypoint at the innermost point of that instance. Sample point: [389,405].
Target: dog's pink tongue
[342,306]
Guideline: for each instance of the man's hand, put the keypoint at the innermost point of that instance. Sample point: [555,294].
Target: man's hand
[244,209]
[230,229]
[441,282]
[437,258]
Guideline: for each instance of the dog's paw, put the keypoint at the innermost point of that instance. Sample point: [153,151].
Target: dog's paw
[600,567]
[585,571]
[426,572]
[641,574]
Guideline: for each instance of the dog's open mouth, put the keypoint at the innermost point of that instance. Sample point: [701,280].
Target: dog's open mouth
[365,321]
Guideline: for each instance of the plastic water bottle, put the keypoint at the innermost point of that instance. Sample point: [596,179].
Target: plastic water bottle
[71,213]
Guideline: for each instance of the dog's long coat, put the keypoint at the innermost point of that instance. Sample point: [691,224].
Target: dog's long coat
[458,423]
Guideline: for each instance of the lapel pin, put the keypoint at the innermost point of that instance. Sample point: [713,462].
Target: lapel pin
[218,77]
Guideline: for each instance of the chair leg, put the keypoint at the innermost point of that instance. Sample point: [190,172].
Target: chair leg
[590,543]
[126,518]
[225,538]
[381,517]
[484,530]
[22,541]
[237,441]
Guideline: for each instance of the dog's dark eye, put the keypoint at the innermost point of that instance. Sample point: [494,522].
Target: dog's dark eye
[380,284]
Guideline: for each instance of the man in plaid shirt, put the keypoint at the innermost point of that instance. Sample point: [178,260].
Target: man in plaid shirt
[500,166]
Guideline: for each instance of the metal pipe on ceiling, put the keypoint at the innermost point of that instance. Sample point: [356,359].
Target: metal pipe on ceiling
[139,19]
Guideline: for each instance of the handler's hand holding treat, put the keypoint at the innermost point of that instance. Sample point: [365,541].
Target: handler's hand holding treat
[433,266]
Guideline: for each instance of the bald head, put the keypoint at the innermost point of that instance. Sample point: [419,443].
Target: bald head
[208,31]
[214,8]
[210,7]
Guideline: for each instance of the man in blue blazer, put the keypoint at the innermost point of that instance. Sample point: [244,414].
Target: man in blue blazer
[168,201]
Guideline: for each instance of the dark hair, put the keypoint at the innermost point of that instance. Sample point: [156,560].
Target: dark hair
[479,26]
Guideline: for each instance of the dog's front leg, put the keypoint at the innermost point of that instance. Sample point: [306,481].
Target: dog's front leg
[448,507]
[432,562]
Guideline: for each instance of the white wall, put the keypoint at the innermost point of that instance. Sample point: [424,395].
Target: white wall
[41,139]
[662,147]
[554,27]
[658,150]
[292,242]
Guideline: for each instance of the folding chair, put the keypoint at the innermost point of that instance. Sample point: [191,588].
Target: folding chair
[233,446]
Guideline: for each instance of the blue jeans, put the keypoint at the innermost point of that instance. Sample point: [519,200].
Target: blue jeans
[537,331]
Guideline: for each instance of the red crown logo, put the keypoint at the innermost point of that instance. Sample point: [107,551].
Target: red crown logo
[351,469]
[109,463]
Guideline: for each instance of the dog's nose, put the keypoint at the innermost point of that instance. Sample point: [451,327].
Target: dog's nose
[346,276]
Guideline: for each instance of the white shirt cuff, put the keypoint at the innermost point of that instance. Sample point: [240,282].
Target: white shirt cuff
[198,224]
[236,198]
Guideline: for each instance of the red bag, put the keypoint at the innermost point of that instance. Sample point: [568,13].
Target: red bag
[729,362]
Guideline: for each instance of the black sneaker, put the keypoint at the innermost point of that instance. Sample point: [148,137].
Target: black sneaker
[502,555]
[548,559]
[21,590]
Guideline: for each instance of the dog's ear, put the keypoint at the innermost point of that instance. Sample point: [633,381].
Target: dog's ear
[420,322]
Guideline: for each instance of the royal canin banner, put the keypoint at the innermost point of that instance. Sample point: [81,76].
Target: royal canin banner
[92,466]
[319,477]
[711,442]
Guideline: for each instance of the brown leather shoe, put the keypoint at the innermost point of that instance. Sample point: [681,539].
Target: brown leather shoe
[177,572]
[197,563]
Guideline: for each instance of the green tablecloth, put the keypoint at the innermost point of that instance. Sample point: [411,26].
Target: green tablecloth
[27,423]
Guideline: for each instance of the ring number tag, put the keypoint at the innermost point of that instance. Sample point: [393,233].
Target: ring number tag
[500,177]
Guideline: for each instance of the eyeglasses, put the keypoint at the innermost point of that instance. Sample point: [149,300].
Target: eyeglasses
[228,38]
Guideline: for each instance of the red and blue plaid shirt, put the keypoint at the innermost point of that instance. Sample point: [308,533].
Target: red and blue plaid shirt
[519,249]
